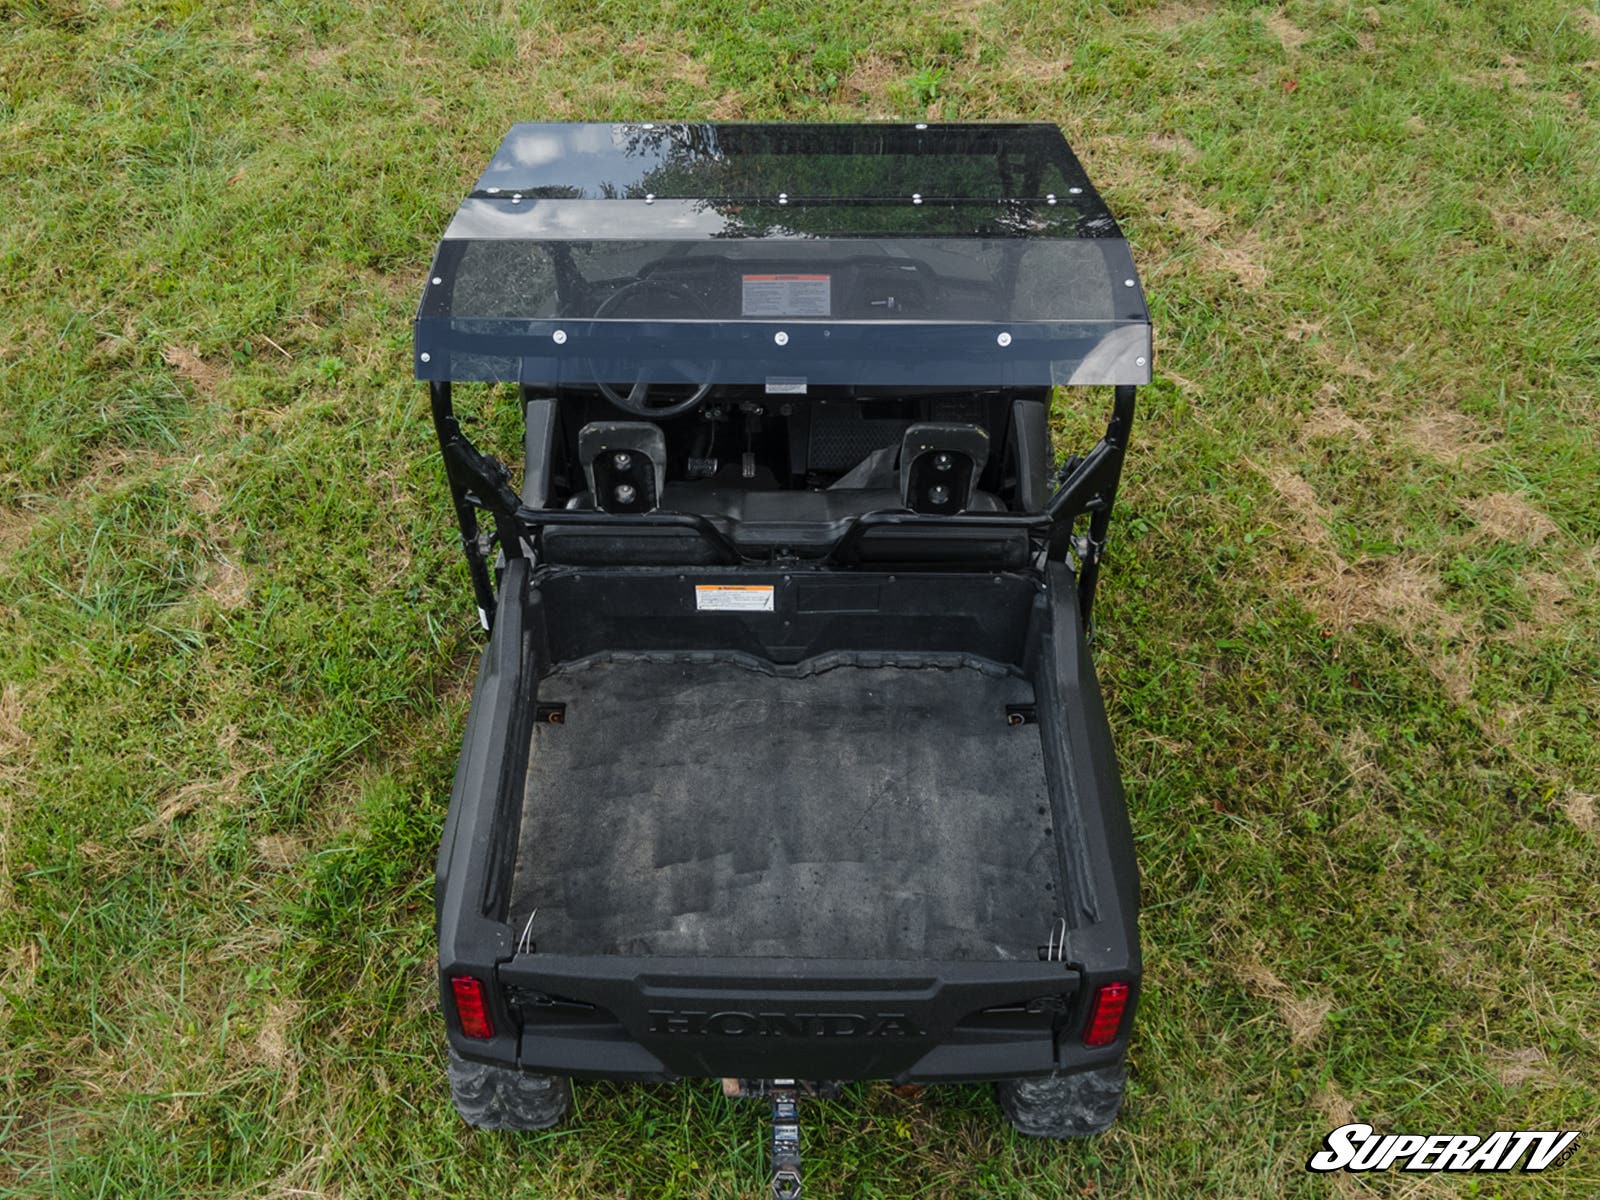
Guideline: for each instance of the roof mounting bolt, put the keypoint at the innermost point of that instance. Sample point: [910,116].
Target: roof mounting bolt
[1050,199]
[625,493]
[1074,191]
[649,197]
[1004,340]
[559,337]
[1138,362]
[622,460]
[426,357]
[436,281]
[781,338]
[916,197]
[1127,283]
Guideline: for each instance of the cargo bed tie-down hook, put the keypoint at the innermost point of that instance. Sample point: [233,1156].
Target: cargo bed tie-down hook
[1056,949]
[525,942]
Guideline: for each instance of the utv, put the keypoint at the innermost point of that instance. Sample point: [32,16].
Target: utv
[787,764]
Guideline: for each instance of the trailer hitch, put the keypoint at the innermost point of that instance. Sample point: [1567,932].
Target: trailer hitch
[785,1140]
[784,1096]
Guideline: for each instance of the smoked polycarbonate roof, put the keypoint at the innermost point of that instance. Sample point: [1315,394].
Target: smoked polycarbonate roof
[830,254]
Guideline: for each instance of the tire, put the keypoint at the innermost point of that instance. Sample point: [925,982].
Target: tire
[494,1097]
[1064,1106]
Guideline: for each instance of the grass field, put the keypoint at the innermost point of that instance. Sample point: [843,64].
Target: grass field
[1350,625]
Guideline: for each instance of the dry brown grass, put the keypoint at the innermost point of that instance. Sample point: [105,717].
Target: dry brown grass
[730,106]
[187,798]
[206,377]
[1583,810]
[1548,229]
[227,584]
[1301,498]
[1357,749]
[1505,517]
[1192,218]
[1242,256]
[867,84]
[1518,1068]
[1042,68]
[1171,17]
[279,849]
[1445,436]
[1328,420]
[110,467]
[1286,31]
[15,746]
[274,1045]
[1305,1017]
[1395,592]
[1549,596]
[17,523]
[1345,361]
[1391,591]
[1175,143]
[1335,1107]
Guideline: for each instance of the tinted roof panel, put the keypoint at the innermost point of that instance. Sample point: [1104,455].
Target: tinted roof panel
[662,247]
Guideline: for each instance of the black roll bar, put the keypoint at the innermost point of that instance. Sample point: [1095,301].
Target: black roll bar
[1087,486]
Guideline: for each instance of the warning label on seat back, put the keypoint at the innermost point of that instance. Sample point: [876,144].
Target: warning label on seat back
[788,296]
[718,597]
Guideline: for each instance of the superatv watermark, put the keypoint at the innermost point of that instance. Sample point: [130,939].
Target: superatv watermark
[1360,1148]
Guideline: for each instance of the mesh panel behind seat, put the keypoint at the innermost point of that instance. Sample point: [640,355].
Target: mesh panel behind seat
[841,435]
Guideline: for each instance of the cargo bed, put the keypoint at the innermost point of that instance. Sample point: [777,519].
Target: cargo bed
[726,808]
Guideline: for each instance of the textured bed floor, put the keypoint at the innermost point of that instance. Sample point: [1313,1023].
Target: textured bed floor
[715,809]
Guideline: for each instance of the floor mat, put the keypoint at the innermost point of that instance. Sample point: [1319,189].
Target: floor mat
[716,809]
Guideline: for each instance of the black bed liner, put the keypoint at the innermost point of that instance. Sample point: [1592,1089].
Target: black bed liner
[695,808]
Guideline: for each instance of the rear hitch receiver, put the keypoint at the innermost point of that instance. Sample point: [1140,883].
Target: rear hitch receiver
[784,1096]
[785,1140]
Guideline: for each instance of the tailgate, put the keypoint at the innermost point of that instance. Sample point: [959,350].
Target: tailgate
[787,1018]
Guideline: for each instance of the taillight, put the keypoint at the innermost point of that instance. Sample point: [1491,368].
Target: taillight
[1105,1014]
[472,1008]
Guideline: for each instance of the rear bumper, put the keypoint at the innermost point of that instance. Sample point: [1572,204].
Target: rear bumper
[665,1019]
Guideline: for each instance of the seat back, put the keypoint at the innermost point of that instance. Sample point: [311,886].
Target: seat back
[625,463]
[939,466]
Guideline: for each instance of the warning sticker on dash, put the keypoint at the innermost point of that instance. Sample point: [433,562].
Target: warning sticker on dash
[718,597]
[788,295]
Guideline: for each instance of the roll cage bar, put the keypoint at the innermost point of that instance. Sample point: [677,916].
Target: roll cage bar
[1086,487]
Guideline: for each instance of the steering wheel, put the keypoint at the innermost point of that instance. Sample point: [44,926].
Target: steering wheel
[637,398]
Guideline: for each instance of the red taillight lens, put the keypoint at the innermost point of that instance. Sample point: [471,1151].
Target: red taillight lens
[1105,1014]
[472,1008]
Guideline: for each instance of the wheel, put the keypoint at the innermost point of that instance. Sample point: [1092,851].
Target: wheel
[1064,1106]
[494,1097]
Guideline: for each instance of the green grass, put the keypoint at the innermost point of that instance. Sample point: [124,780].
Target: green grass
[1350,628]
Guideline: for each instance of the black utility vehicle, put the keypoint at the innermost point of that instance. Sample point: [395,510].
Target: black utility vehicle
[787,762]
